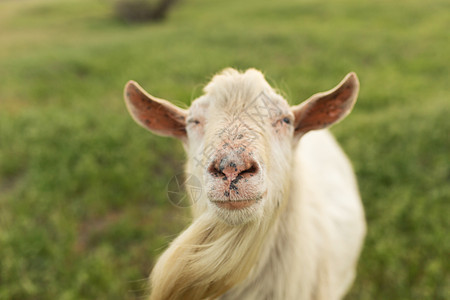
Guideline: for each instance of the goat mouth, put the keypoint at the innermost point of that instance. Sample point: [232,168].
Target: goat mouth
[235,204]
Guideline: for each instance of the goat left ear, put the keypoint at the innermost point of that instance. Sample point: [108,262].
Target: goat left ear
[324,109]
[157,115]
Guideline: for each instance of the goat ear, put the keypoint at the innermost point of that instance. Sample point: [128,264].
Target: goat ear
[156,115]
[324,109]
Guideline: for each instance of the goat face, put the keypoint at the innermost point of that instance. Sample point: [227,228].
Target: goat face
[240,137]
[241,142]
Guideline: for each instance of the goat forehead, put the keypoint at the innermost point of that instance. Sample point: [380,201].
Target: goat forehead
[231,82]
[238,92]
[235,105]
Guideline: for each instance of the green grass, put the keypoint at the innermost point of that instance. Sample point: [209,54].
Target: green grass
[83,206]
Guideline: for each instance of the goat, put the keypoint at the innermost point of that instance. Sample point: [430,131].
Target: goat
[280,216]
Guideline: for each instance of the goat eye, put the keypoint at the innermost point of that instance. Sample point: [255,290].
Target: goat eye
[287,120]
[193,121]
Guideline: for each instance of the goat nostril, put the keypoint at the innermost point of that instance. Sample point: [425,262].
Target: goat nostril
[251,171]
[215,171]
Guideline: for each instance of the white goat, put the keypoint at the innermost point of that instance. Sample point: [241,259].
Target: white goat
[279,218]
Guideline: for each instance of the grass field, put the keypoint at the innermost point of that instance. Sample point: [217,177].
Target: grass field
[83,205]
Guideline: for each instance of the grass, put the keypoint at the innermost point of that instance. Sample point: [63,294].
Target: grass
[83,205]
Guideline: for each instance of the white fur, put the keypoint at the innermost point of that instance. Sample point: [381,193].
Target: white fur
[302,238]
[312,250]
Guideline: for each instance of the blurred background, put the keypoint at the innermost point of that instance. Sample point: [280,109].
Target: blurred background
[83,205]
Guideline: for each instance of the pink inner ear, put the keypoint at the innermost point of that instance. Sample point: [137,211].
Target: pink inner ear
[324,109]
[157,115]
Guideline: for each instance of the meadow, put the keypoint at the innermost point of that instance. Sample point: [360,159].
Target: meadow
[83,205]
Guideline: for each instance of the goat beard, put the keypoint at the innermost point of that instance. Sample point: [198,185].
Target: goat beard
[207,259]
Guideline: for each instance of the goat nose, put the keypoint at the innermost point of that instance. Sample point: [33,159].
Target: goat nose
[230,169]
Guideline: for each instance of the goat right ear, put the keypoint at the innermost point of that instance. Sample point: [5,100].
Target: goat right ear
[157,115]
[324,109]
